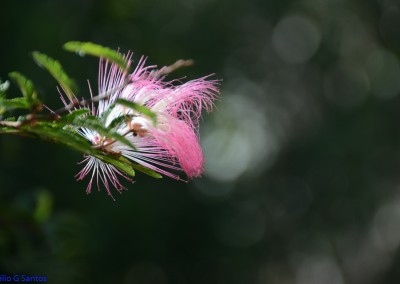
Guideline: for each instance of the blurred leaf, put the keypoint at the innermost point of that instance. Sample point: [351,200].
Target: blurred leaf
[90,48]
[25,85]
[27,88]
[139,108]
[56,70]
[22,117]
[11,118]
[44,206]
[5,129]
[10,104]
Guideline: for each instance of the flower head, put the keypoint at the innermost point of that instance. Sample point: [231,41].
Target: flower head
[168,145]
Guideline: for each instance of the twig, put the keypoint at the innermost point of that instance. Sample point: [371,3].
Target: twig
[102,145]
[13,124]
[55,115]
[171,68]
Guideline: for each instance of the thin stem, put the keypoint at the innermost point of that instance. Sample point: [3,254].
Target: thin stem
[102,146]
[171,68]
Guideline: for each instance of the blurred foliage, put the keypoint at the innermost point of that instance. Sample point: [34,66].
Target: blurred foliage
[302,182]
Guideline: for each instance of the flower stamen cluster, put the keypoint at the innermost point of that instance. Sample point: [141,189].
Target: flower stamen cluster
[168,145]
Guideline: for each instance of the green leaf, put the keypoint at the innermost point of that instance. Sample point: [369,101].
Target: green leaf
[4,87]
[117,121]
[119,162]
[67,136]
[59,134]
[11,118]
[9,104]
[25,85]
[125,165]
[55,69]
[22,117]
[5,129]
[93,123]
[107,112]
[146,171]
[93,49]
[139,108]
[74,114]
[27,88]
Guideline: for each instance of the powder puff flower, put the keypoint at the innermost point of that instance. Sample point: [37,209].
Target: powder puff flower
[168,146]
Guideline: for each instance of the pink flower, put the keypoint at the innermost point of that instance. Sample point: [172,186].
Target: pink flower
[170,145]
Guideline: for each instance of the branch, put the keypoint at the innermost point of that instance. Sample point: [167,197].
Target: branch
[55,115]
[75,103]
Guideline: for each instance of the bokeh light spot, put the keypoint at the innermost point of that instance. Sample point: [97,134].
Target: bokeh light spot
[240,141]
[296,39]
[346,85]
[384,74]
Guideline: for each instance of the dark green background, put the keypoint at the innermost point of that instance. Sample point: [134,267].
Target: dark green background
[303,149]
